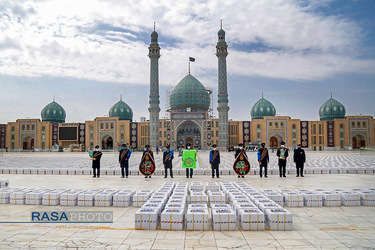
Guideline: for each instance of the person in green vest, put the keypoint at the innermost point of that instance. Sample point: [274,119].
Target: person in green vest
[189,159]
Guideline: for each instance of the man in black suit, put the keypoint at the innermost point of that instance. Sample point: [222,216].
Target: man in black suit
[96,162]
[238,151]
[282,154]
[167,161]
[123,160]
[215,161]
[263,159]
[299,159]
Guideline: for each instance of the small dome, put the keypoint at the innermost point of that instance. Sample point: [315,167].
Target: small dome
[221,32]
[121,110]
[154,34]
[54,113]
[190,93]
[332,109]
[262,108]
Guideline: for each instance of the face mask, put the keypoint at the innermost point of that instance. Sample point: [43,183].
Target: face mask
[214,148]
[123,147]
[282,146]
[240,147]
[147,149]
[96,149]
[188,147]
[167,149]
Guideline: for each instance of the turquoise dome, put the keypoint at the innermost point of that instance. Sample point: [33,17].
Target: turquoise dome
[54,113]
[221,32]
[190,93]
[332,109]
[262,108]
[121,110]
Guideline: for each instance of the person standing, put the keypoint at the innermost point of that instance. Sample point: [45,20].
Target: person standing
[263,159]
[167,161]
[96,162]
[282,154]
[123,160]
[189,159]
[239,151]
[299,159]
[215,161]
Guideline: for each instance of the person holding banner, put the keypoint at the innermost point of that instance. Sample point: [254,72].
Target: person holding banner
[96,155]
[189,159]
[147,165]
[215,161]
[283,154]
[263,159]
[123,160]
[241,164]
[167,161]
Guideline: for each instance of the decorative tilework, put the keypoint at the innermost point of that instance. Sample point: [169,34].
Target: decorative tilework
[246,132]
[82,133]
[133,135]
[304,134]
[3,129]
[55,132]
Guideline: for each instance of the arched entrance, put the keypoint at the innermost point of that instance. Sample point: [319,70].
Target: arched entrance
[358,141]
[275,141]
[28,143]
[189,132]
[107,142]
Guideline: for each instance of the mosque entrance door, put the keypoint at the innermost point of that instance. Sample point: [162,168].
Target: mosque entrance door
[28,143]
[358,141]
[189,132]
[273,142]
[107,142]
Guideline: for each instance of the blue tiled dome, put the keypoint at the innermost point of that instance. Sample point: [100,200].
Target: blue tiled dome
[332,109]
[262,108]
[121,110]
[190,93]
[54,113]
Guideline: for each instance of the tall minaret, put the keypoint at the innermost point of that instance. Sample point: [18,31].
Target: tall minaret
[154,109]
[222,97]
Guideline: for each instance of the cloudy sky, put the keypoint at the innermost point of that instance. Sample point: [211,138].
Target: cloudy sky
[87,53]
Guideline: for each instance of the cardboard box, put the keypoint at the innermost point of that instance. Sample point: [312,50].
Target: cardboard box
[5,196]
[367,198]
[140,198]
[123,199]
[350,199]
[217,198]
[269,205]
[197,219]
[51,198]
[276,197]
[279,219]
[157,206]
[34,198]
[293,200]
[86,199]
[223,220]
[104,199]
[312,199]
[177,206]
[198,197]
[221,206]
[146,218]
[251,219]
[17,198]
[172,219]
[331,199]
[69,198]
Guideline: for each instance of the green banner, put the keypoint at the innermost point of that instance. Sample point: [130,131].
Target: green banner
[189,159]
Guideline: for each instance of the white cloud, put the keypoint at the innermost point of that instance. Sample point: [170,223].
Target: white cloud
[52,38]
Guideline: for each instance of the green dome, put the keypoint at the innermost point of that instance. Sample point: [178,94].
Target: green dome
[190,93]
[121,110]
[53,112]
[221,32]
[332,109]
[262,108]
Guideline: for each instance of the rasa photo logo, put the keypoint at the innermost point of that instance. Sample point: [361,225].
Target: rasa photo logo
[72,217]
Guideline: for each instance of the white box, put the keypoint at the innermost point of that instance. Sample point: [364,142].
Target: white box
[198,197]
[177,206]
[251,219]
[69,198]
[123,199]
[146,219]
[313,199]
[172,219]
[276,197]
[104,199]
[86,199]
[269,205]
[197,219]
[331,199]
[367,198]
[191,206]
[235,202]
[223,220]
[34,198]
[51,198]
[350,199]
[216,198]
[157,206]
[17,198]
[4,183]
[140,198]
[293,200]
[279,219]
[5,196]
[221,206]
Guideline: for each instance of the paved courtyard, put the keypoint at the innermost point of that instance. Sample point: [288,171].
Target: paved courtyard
[313,227]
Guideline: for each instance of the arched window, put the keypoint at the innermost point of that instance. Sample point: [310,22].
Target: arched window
[276,125]
[281,124]
[28,127]
[258,126]
[294,126]
[341,125]
[13,129]
[353,124]
[358,124]
[101,125]
[364,125]
[23,127]
[112,125]
[106,125]
[270,124]
[33,127]
[43,128]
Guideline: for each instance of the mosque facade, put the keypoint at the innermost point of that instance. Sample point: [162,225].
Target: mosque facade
[189,121]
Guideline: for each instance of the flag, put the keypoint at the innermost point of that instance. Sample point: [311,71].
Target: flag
[191,59]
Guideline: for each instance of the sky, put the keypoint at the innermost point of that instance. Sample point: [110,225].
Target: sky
[88,53]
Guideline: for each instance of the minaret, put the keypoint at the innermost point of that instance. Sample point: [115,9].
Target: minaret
[222,97]
[154,109]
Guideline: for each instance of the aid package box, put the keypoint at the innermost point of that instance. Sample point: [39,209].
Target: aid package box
[5,196]
[367,198]
[279,219]
[17,197]
[293,199]
[51,198]
[276,197]
[331,199]
[239,207]
[313,199]
[172,219]
[268,205]
[146,218]
[221,206]
[349,198]
[196,186]
[86,198]
[104,198]
[212,186]
[156,206]
[141,198]
[197,219]
[198,197]
[123,198]
[69,198]
[223,220]
[251,219]
[176,206]
[216,197]
[34,197]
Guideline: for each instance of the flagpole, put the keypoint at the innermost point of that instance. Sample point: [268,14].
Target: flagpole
[189,67]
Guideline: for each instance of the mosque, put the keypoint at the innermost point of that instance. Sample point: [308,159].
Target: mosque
[190,121]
